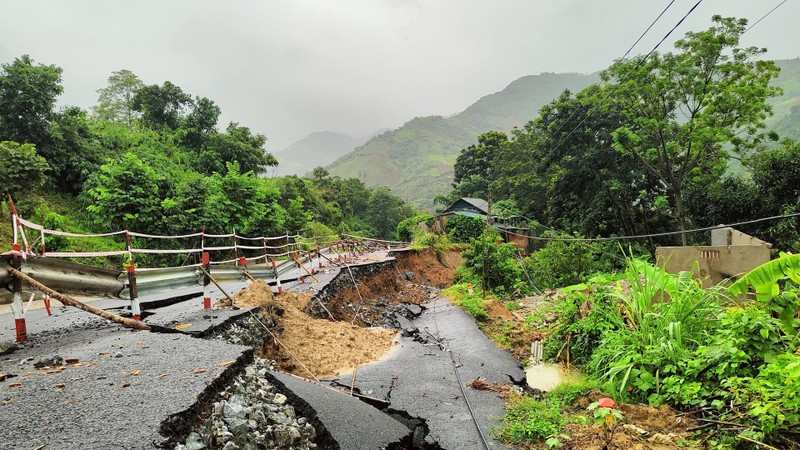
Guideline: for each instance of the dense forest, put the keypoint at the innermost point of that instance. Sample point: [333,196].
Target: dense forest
[154,159]
[675,141]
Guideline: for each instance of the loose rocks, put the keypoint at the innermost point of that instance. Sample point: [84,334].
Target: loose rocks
[251,414]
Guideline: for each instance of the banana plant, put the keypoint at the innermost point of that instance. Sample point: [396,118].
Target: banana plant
[764,278]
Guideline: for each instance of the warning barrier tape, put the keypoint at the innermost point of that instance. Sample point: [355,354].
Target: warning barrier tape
[166,251]
[83,254]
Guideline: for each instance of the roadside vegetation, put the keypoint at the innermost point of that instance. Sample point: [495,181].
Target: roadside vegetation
[718,366]
[154,159]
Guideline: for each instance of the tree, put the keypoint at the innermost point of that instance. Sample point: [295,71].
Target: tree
[125,195]
[27,97]
[74,152]
[21,168]
[561,170]
[115,103]
[474,163]
[237,144]
[681,108]
[201,122]
[161,107]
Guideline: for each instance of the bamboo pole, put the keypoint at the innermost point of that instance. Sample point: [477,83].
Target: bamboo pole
[213,280]
[304,267]
[130,323]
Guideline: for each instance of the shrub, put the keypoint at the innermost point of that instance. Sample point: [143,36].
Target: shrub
[561,263]
[21,168]
[464,229]
[408,228]
[495,264]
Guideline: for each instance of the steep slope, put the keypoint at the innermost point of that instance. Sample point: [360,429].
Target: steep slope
[317,149]
[416,160]
[786,120]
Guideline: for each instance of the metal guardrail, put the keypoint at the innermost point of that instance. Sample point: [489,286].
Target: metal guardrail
[66,276]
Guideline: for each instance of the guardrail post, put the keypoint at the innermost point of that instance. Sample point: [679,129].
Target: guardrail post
[310,257]
[243,266]
[133,292]
[16,304]
[319,257]
[277,277]
[47,304]
[206,262]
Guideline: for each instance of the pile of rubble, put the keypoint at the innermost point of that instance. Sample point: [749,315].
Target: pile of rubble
[252,414]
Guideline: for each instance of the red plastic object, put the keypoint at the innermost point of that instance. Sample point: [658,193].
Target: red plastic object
[606,402]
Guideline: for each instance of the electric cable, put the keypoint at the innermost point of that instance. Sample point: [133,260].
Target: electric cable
[644,236]
[628,75]
[764,17]
[630,49]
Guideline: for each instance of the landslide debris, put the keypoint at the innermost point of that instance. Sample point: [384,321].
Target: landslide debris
[324,347]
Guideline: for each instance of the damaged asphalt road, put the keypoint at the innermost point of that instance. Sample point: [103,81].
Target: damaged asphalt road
[419,382]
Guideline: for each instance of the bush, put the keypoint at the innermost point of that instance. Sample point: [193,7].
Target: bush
[495,264]
[562,263]
[21,168]
[408,228]
[464,229]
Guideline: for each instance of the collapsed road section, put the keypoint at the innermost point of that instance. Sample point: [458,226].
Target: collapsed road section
[226,379]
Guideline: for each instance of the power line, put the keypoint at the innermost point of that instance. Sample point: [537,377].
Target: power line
[628,75]
[596,86]
[764,17]
[645,236]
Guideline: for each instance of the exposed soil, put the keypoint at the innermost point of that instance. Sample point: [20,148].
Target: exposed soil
[337,346]
[429,269]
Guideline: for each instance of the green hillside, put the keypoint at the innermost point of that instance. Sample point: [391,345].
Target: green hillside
[416,160]
[786,120]
[317,149]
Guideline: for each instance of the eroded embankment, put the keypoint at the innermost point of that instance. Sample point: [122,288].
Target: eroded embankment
[294,332]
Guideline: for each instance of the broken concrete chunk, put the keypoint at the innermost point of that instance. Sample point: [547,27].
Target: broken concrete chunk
[52,361]
[280,399]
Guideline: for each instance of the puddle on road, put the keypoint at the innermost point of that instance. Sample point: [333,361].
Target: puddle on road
[547,376]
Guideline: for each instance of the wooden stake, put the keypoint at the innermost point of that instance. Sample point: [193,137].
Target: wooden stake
[304,267]
[130,323]
[213,280]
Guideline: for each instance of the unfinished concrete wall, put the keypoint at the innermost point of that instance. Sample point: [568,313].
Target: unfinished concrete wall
[729,236]
[715,263]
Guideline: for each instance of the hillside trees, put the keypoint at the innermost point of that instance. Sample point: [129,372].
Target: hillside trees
[115,101]
[681,108]
[21,168]
[28,95]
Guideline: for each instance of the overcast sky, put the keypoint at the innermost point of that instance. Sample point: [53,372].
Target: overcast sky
[288,68]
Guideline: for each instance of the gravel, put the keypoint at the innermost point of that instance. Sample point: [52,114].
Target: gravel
[251,414]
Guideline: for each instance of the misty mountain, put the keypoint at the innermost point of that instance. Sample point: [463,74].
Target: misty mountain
[317,149]
[416,160]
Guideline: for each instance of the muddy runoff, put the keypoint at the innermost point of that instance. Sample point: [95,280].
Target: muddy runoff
[351,321]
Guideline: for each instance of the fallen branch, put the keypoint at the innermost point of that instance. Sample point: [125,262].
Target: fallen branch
[130,323]
[216,283]
[304,268]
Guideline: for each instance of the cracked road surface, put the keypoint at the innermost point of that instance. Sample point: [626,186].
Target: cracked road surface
[418,377]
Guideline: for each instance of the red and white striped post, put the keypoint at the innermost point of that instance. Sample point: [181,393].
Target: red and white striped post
[319,257]
[310,256]
[277,277]
[133,292]
[16,304]
[47,304]
[16,262]
[206,262]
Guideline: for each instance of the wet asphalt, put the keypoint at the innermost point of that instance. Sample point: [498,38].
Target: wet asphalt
[127,382]
[419,379]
